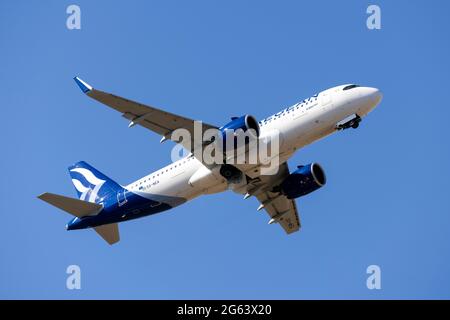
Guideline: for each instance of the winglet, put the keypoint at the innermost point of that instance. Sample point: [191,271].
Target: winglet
[83,85]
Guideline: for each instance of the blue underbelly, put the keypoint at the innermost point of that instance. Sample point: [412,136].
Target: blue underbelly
[134,207]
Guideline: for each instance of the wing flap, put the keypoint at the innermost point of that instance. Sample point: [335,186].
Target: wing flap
[280,209]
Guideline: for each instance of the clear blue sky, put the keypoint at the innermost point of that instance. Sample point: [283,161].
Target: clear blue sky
[386,201]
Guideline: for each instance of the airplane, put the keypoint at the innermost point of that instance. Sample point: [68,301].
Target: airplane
[103,203]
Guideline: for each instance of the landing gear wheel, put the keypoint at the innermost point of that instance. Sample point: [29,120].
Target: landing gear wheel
[349,122]
[231,173]
[227,174]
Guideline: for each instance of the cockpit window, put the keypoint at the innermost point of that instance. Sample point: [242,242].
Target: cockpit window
[351,87]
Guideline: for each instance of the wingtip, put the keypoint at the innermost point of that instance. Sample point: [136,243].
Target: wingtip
[42,196]
[83,85]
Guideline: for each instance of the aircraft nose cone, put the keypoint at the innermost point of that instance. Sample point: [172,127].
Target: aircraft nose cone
[374,95]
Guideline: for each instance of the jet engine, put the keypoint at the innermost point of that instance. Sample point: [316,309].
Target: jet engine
[236,135]
[245,123]
[304,180]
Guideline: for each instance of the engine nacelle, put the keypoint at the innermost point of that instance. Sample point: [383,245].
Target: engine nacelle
[304,180]
[245,123]
[237,133]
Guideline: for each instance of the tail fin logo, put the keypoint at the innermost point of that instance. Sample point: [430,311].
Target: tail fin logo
[94,187]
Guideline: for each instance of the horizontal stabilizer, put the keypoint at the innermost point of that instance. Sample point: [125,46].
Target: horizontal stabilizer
[109,232]
[78,208]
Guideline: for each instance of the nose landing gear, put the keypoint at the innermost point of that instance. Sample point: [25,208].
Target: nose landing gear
[349,122]
[355,124]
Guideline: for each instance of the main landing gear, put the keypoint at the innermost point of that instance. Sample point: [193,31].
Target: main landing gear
[349,122]
[231,173]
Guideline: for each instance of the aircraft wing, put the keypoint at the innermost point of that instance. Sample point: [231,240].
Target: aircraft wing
[280,209]
[159,121]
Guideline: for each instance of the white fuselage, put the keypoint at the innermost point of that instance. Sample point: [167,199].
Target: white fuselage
[299,125]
